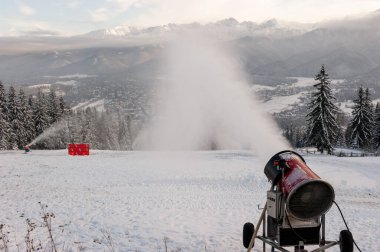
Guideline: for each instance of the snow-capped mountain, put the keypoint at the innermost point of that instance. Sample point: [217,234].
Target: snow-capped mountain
[226,28]
[269,52]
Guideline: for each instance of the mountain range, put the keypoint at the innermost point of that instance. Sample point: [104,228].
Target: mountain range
[349,48]
[125,61]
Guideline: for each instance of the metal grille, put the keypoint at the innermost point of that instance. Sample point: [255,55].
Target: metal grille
[310,199]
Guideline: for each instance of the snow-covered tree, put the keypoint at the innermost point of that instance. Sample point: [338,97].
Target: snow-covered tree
[53,106]
[40,114]
[22,117]
[30,125]
[376,131]
[322,126]
[62,107]
[4,124]
[13,107]
[89,126]
[123,135]
[106,132]
[362,122]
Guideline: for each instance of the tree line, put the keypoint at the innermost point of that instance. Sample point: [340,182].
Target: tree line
[103,130]
[24,118]
[48,123]
[325,128]
[44,121]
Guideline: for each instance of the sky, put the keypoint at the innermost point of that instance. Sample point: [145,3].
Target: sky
[70,17]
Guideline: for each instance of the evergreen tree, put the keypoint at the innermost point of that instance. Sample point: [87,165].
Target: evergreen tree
[106,132]
[371,116]
[14,119]
[362,122]
[4,123]
[89,124]
[53,107]
[122,133]
[22,117]
[61,107]
[40,114]
[130,132]
[323,129]
[29,124]
[376,132]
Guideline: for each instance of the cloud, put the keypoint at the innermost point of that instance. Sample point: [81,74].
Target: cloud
[100,15]
[25,9]
[40,33]
[127,4]
[156,12]
[73,4]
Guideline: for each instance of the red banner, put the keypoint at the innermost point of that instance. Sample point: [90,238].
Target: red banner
[79,149]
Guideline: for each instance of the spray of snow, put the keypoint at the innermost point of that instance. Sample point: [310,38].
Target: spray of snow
[205,102]
[49,132]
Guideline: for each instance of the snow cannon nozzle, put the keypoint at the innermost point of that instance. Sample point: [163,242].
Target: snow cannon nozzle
[306,195]
[26,148]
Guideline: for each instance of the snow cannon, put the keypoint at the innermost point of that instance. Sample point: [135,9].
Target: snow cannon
[306,195]
[294,213]
[26,148]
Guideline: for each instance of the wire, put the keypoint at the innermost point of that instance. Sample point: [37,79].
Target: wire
[294,231]
[345,223]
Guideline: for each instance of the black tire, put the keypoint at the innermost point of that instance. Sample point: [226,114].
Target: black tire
[346,241]
[248,231]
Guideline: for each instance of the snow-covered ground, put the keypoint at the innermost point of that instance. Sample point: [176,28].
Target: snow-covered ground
[196,199]
[280,103]
[93,103]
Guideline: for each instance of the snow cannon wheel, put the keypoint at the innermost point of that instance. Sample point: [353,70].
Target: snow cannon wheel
[248,230]
[346,241]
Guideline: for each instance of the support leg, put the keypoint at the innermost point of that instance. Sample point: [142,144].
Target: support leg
[252,243]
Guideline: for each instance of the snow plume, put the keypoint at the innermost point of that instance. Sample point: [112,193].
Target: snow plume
[49,132]
[205,103]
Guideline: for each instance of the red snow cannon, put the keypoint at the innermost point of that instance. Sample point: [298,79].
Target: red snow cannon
[294,213]
[306,195]
[79,149]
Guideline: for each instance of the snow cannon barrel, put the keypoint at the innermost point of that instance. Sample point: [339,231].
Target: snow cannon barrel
[306,195]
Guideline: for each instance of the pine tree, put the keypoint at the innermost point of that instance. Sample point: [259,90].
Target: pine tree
[130,132]
[62,108]
[89,124]
[22,117]
[122,133]
[4,123]
[14,119]
[63,114]
[376,132]
[323,129]
[371,117]
[53,107]
[362,122]
[106,133]
[30,125]
[40,114]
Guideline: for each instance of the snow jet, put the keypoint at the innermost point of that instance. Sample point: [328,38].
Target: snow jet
[49,132]
[204,102]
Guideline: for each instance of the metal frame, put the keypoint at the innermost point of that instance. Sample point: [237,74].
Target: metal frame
[323,244]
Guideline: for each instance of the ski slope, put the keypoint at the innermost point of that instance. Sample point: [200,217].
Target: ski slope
[198,200]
